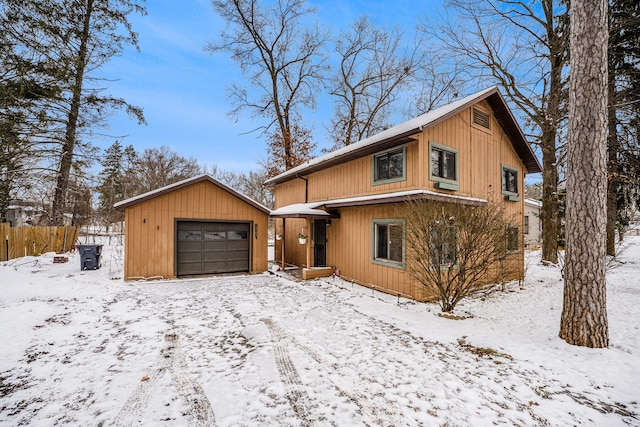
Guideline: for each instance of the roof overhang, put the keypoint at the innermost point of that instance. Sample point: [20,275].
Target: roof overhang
[185,183]
[302,210]
[323,209]
[407,131]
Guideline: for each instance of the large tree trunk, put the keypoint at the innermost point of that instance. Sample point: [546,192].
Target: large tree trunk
[68,146]
[584,311]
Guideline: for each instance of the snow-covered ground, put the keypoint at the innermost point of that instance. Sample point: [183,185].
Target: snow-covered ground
[85,348]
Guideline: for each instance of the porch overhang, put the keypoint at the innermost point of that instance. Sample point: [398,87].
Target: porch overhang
[401,197]
[323,209]
[303,210]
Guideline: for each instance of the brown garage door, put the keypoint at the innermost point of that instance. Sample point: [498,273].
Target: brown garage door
[212,247]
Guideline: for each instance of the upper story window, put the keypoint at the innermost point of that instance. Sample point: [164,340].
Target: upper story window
[389,166]
[443,166]
[510,180]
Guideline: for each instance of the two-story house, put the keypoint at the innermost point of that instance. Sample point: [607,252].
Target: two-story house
[346,202]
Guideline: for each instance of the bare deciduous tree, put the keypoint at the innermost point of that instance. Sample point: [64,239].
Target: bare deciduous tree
[251,183]
[282,60]
[584,311]
[454,249]
[436,81]
[158,167]
[280,158]
[374,67]
[524,48]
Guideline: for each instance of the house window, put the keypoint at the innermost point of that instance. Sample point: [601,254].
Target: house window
[526,224]
[443,244]
[388,242]
[510,183]
[389,166]
[513,239]
[443,166]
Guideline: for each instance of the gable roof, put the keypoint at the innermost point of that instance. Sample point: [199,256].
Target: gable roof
[185,183]
[404,132]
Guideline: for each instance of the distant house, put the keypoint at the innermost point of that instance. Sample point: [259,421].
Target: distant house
[470,151]
[532,223]
[193,227]
[23,214]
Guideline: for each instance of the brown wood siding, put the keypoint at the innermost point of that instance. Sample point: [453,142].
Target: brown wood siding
[289,192]
[349,246]
[481,154]
[295,253]
[355,178]
[150,227]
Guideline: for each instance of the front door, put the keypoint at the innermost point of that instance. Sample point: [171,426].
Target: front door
[319,243]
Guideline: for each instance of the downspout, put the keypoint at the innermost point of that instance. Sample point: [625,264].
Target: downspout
[306,187]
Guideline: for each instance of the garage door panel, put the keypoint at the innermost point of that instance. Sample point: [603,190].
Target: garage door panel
[189,257]
[212,247]
[237,245]
[214,226]
[190,246]
[233,266]
[216,267]
[190,268]
[215,256]
[236,255]
[215,246]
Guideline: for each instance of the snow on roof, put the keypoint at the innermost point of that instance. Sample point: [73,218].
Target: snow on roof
[301,209]
[180,184]
[312,208]
[533,202]
[411,126]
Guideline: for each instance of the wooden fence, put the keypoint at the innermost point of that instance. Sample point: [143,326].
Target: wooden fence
[23,241]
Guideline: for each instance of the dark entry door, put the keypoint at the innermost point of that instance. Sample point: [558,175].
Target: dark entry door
[212,247]
[320,243]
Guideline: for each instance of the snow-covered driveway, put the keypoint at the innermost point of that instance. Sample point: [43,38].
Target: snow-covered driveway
[81,349]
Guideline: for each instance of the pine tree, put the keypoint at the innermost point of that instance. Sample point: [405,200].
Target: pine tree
[67,42]
[584,310]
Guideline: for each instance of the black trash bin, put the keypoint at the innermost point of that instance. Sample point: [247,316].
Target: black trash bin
[90,256]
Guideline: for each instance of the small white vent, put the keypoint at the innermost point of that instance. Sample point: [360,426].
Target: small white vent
[481,118]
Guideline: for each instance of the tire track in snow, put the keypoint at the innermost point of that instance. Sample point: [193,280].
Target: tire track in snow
[199,412]
[296,393]
[379,414]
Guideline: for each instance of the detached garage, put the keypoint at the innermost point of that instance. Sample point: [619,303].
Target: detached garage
[196,226]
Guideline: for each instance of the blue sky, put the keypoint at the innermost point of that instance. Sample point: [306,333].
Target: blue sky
[182,88]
